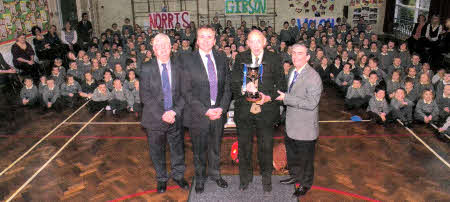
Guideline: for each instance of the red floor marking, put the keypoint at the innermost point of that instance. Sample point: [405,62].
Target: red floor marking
[344,193]
[188,137]
[335,191]
[141,193]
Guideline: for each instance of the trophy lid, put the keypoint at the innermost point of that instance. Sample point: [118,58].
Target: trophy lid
[252,66]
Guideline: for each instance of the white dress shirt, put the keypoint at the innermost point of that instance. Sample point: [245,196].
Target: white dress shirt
[205,65]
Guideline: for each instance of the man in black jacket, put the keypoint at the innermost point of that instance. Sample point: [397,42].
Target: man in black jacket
[258,116]
[84,31]
[208,85]
[163,105]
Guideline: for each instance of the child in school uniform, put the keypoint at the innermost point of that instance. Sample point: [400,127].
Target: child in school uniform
[69,92]
[119,73]
[393,84]
[424,84]
[412,94]
[440,85]
[403,54]
[443,102]
[51,96]
[131,79]
[108,79]
[58,62]
[137,105]
[378,109]
[42,85]
[85,65]
[100,98]
[57,76]
[412,75]
[29,95]
[385,58]
[96,71]
[426,70]
[121,98]
[402,108]
[75,72]
[356,97]
[344,78]
[427,111]
[396,66]
[370,86]
[365,75]
[88,85]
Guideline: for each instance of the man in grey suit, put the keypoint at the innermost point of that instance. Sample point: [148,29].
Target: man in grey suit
[302,119]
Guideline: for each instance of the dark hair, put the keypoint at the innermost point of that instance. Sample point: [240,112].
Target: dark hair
[373,72]
[84,14]
[34,28]
[357,78]
[379,88]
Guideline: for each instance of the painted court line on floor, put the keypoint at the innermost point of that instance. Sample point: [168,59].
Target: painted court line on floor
[225,138]
[53,157]
[425,144]
[138,123]
[43,138]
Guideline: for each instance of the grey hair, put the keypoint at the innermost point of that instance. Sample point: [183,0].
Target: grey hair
[298,45]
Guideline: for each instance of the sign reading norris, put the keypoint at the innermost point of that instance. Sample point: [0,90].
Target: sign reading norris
[245,7]
[168,20]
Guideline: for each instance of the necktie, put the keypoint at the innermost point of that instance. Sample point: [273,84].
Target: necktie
[212,79]
[293,80]
[166,88]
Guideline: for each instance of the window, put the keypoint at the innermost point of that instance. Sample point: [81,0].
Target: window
[407,11]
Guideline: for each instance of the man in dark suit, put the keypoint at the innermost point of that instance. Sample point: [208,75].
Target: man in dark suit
[163,105]
[84,31]
[260,116]
[208,97]
[302,119]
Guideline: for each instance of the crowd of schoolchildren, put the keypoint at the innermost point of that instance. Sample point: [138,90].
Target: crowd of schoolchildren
[388,79]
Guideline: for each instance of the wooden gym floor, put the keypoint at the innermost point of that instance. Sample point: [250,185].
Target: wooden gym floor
[355,161]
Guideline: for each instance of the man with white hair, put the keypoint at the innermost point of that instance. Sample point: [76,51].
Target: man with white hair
[261,116]
[160,92]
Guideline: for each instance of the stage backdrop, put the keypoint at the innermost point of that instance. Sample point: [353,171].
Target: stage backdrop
[168,20]
[245,7]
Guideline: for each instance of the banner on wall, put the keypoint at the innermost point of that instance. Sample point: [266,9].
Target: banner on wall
[317,21]
[19,16]
[168,20]
[245,7]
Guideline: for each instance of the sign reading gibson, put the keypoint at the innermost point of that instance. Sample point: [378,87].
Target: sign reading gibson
[245,7]
[168,20]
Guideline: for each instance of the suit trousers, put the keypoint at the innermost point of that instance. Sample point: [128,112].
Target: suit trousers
[157,140]
[206,147]
[264,134]
[300,156]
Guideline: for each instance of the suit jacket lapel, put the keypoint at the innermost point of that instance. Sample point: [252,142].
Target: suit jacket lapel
[155,76]
[300,79]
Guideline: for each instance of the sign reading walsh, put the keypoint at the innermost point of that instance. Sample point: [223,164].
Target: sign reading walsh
[245,7]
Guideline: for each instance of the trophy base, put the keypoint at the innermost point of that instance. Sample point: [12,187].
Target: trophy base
[253,97]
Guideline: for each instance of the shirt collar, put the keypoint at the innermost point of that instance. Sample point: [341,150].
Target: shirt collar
[379,100]
[29,87]
[427,102]
[203,53]
[118,89]
[260,56]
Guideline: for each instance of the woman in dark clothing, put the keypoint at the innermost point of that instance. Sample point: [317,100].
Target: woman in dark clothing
[23,58]
[416,41]
[43,49]
[55,43]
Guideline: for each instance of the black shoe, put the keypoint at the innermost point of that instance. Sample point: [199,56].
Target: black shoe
[161,187]
[300,191]
[182,183]
[288,181]
[267,187]
[199,188]
[221,183]
[243,186]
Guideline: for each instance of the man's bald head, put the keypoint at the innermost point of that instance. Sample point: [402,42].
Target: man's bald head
[256,41]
